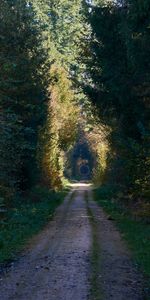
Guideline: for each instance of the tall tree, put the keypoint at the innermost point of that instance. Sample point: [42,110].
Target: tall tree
[118,69]
[22,92]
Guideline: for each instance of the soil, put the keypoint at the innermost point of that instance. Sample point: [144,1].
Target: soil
[57,264]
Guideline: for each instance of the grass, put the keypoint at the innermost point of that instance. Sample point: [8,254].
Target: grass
[136,233]
[96,291]
[26,218]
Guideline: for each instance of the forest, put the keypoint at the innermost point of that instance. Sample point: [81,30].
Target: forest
[75,106]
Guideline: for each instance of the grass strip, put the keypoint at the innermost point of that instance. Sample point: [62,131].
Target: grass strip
[136,234]
[96,291]
[26,219]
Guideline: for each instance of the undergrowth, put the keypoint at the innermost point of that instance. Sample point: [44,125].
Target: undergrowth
[136,233]
[27,217]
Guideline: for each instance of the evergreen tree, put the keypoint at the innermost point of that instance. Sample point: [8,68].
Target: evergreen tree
[22,93]
[118,67]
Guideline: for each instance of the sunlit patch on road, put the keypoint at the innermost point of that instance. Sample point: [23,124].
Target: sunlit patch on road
[79,185]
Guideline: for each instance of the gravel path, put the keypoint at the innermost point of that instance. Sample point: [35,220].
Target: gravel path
[57,264]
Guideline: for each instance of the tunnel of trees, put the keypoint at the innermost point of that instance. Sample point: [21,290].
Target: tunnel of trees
[82,160]
[67,65]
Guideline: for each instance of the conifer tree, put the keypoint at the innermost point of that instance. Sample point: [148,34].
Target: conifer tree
[118,68]
[22,93]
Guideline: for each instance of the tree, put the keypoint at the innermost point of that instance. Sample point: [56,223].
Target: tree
[118,72]
[22,92]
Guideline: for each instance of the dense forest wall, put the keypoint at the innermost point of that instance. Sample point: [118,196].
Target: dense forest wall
[55,58]
[23,92]
[118,84]
[38,104]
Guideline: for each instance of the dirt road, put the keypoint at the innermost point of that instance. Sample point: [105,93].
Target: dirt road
[78,256]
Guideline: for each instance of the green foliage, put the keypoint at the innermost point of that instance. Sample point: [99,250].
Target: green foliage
[118,83]
[22,92]
[60,129]
[67,27]
[63,101]
[25,219]
[34,35]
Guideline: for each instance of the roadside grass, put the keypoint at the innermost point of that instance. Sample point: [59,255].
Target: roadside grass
[136,233]
[96,290]
[26,218]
